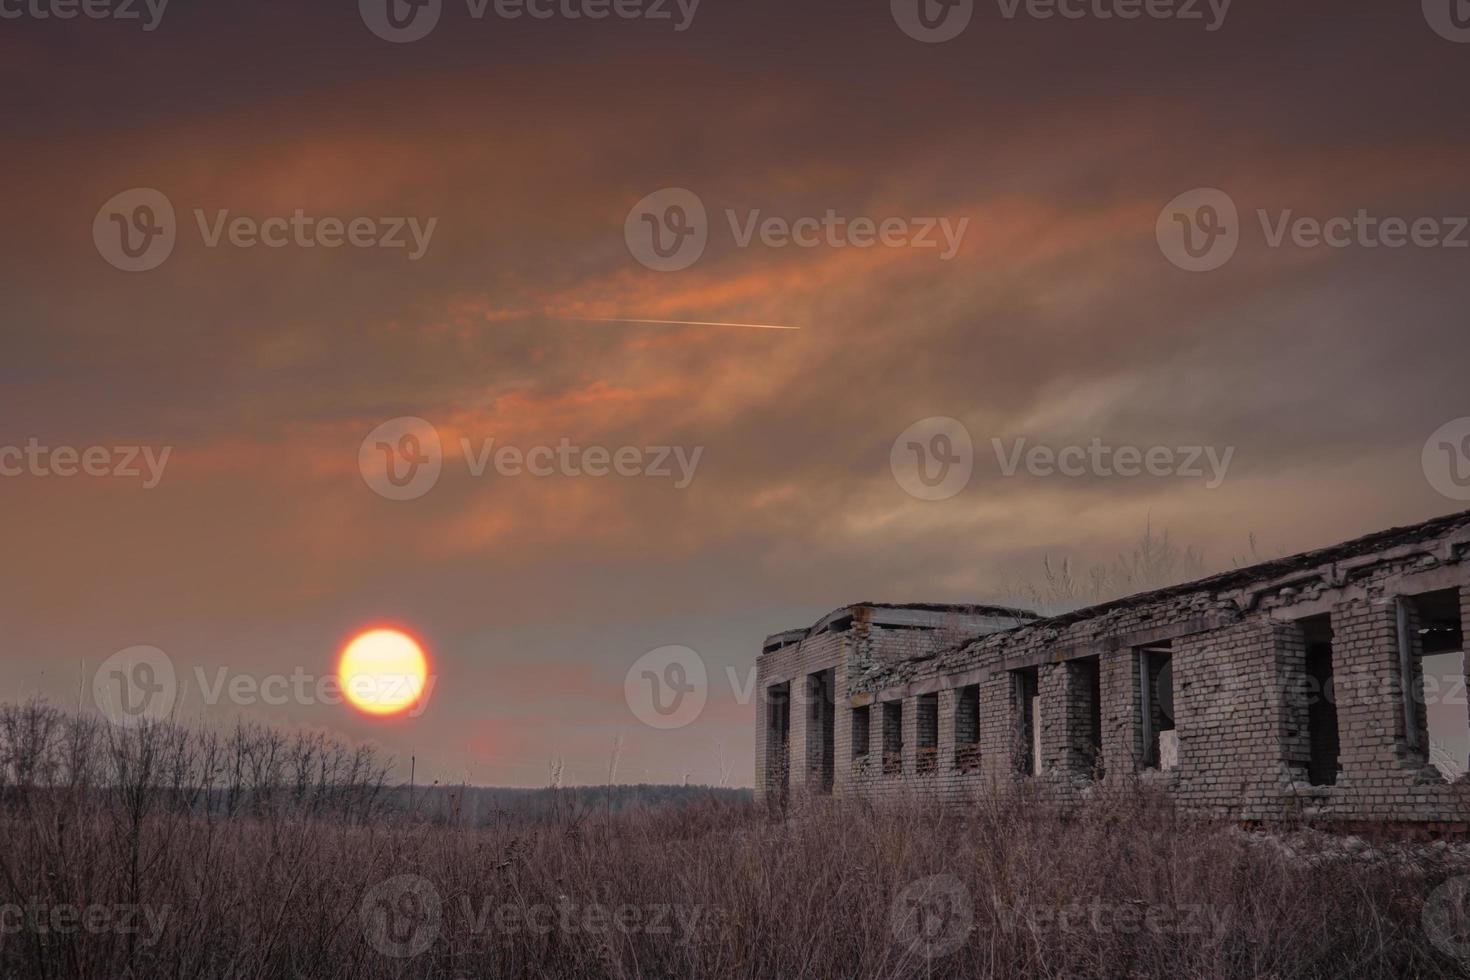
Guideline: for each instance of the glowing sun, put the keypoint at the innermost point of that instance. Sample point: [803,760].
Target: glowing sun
[383,672]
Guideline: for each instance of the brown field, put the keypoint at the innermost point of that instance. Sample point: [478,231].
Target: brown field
[159,852]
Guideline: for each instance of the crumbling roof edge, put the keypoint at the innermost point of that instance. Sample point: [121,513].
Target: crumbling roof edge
[788,637]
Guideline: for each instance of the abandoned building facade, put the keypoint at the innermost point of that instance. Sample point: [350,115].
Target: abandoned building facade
[1291,689]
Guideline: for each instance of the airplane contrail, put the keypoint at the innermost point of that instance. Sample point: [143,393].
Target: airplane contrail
[678,323]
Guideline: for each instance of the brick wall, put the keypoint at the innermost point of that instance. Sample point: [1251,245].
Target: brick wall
[859,643]
[794,665]
[1243,705]
[1231,714]
[1122,710]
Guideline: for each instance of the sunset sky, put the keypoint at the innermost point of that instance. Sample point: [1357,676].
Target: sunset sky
[1059,320]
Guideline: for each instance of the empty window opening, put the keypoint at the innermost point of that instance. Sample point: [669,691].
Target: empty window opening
[893,737]
[1323,742]
[1440,682]
[1084,712]
[926,720]
[821,740]
[1448,721]
[861,731]
[967,728]
[1026,702]
[1156,686]
[778,736]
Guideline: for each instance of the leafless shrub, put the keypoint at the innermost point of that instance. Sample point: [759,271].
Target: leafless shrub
[1156,561]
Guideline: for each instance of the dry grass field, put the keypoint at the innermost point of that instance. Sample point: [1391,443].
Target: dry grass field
[158,852]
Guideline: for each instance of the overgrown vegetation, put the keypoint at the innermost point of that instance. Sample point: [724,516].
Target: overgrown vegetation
[265,856]
[1156,561]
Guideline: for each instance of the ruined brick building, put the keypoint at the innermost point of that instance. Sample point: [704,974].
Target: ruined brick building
[1295,687]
